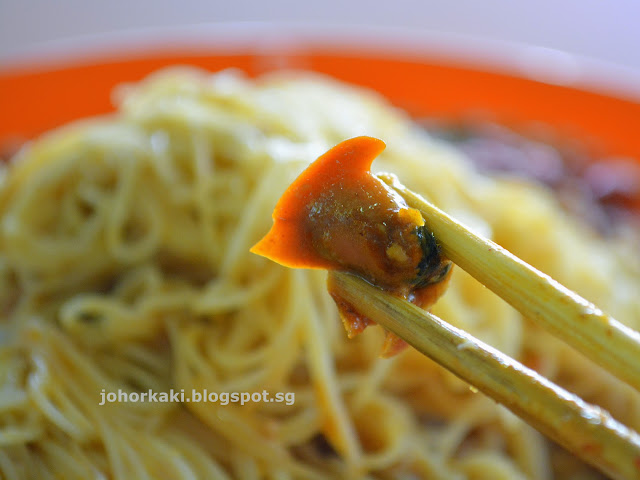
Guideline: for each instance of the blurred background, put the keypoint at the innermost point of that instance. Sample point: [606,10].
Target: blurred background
[545,61]
[602,30]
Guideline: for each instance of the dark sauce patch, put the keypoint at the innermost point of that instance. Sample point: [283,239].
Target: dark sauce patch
[603,190]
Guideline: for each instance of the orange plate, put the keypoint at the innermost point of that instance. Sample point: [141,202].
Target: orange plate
[34,101]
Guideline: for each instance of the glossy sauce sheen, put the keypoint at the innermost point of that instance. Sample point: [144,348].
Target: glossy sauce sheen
[338,215]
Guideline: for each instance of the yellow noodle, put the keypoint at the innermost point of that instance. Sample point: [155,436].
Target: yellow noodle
[124,265]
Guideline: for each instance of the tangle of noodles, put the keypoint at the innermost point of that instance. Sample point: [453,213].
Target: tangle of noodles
[125,264]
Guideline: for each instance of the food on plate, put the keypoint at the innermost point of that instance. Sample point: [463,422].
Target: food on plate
[125,266]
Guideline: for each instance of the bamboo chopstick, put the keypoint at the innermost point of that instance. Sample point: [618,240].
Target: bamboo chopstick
[555,308]
[584,429]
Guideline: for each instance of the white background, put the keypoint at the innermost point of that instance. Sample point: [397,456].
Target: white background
[602,29]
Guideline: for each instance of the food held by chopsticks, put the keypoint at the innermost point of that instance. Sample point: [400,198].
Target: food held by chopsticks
[338,215]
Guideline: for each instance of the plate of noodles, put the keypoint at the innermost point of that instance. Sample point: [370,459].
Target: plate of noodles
[141,339]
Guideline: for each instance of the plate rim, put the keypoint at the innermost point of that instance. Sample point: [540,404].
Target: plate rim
[534,62]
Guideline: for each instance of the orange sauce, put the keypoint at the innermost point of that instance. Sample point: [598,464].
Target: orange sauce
[338,215]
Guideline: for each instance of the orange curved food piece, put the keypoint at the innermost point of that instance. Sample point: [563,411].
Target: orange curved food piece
[338,215]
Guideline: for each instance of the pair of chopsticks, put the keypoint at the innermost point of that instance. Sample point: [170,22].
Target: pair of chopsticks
[584,429]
